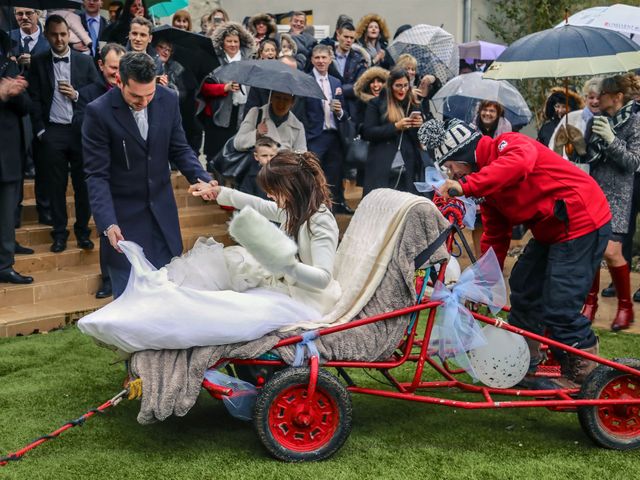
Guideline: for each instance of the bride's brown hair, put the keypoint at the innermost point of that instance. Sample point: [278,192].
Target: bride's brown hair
[297,178]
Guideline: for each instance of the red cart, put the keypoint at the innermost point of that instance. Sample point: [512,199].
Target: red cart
[304,413]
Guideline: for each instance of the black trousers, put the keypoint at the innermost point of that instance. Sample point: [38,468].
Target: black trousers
[549,284]
[62,155]
[328,148]
[8,194]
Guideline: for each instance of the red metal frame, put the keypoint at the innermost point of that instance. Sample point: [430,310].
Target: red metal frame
[559,399]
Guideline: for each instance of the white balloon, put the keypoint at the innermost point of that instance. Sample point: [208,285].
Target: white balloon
[503,361]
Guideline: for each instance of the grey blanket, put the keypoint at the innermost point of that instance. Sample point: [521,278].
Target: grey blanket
[171,379]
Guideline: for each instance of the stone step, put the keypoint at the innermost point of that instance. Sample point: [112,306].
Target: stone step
[30,213]
[43,259]
[36,234]
[177,179]
[25,319]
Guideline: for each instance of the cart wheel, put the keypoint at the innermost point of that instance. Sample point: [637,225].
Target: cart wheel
[294,431]
[612,426]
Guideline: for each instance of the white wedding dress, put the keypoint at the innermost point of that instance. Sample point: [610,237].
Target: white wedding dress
[209,296]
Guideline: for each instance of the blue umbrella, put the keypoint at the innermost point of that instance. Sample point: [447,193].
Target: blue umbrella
[567,51]
[168,8]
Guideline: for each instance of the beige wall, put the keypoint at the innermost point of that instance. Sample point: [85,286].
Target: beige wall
[448,13]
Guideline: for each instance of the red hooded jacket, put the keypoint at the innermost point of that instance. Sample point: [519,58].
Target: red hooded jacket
[524,182]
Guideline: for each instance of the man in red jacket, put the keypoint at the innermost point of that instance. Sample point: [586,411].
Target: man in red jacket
[523,182]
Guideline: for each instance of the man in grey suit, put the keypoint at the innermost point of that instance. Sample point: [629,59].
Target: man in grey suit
[129,135]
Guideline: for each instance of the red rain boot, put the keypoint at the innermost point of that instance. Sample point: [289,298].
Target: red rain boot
[621,280]
[591,303]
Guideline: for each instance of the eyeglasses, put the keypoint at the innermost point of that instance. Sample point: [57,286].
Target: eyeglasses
[25,14]
[401,86]
[165,48]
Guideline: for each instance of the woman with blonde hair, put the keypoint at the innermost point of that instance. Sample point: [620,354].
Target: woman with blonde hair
[613,153]
[390,125]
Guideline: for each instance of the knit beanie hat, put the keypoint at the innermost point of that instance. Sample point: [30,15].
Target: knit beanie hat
[450,140]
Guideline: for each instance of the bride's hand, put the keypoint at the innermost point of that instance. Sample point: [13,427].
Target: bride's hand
[208,191]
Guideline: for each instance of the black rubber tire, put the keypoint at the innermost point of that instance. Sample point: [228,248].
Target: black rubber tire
[328,386]
[590,417]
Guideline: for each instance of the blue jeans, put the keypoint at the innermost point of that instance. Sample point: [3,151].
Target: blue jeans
[549,284]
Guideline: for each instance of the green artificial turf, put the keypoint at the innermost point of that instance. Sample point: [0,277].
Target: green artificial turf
[48,379]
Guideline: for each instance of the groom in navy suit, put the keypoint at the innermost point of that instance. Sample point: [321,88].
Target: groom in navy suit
[129,135]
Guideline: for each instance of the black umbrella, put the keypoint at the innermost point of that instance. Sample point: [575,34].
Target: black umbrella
[193,50]
[195,41]
[43,4]
[270,75]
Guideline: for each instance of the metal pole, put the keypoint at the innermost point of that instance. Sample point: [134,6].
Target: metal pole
[466,21]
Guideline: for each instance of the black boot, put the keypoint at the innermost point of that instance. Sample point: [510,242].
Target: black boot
[609,291]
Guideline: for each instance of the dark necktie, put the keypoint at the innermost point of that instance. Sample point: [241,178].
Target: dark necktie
[60,59]
[25,44]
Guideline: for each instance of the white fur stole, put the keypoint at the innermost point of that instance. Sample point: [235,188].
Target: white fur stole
[267,243]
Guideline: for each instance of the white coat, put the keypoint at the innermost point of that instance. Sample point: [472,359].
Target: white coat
[290,133]
[310,280]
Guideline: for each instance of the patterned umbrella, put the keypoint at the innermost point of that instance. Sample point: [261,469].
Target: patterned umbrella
[434,48]
[621,18]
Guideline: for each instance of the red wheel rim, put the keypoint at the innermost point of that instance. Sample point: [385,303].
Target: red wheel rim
[621,420]
[303,426]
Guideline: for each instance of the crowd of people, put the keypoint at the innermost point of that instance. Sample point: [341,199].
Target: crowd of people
[87,97]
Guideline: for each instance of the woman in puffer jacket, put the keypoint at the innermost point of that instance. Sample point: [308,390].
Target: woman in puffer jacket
[262,27]
[373,35]
[222,104]
[613,153]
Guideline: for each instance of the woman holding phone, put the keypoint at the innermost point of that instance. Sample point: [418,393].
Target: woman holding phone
[390,125]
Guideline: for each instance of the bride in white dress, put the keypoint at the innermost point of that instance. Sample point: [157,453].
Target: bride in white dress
[212,295]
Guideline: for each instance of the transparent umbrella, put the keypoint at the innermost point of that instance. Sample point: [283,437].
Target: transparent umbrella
[459,98]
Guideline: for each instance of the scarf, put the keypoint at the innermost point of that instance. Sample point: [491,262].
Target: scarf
[596,146]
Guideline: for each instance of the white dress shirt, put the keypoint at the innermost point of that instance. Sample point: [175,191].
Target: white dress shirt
[61,107]
[325,85]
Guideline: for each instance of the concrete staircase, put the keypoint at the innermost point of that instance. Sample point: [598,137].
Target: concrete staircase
[65,283]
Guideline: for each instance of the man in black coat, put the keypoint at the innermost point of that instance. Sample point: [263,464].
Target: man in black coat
[108,64]
[347,65]
[14,103]
[28,40]
[93,23]
[128,137]
[54,80]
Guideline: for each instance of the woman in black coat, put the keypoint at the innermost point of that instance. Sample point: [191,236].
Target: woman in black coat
[391,120]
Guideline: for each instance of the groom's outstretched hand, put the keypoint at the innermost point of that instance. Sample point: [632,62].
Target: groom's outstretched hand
[207,190]
[115,235]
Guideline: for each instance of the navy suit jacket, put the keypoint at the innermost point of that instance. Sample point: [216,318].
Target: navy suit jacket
[41,46]
[314,119]
[42,83]
[103,25]
[128,178]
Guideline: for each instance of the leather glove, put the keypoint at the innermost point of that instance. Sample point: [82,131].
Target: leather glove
[561,140]
[602,128]
[577,139]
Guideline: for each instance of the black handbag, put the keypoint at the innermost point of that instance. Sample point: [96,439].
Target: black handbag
[232,163]
[356,150]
